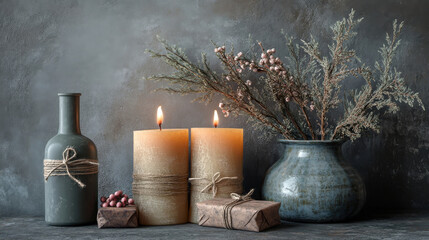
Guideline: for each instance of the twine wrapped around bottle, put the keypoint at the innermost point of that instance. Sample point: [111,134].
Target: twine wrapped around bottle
[70,167]
[214,183]
[160,185]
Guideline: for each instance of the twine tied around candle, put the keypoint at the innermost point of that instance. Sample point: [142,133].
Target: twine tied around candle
[216,179]
[159,185]
[70,167]
[227,208]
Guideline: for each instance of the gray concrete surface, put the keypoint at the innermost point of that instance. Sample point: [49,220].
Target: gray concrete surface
[97,48]
[385,226]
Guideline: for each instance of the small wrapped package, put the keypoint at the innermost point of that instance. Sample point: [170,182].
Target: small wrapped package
[240,212]
[112,217]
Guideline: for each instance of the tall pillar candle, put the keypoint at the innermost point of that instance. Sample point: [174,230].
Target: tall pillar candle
[160,176]
[215,150]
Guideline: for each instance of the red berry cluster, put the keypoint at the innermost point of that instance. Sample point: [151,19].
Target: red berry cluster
[117,199]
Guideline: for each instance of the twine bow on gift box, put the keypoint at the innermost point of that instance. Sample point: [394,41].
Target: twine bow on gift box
[227,208]
[70,167]
[246,197]
[216,179]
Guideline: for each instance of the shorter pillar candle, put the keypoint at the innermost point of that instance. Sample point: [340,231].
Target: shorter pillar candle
[215,150]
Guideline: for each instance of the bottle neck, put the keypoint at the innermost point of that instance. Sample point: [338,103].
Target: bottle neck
[69,114]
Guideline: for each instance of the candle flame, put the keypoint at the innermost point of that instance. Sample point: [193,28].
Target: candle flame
[215,119]
[159,117]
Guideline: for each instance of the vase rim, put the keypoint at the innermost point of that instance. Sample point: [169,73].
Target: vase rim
[69,94]
[312,142]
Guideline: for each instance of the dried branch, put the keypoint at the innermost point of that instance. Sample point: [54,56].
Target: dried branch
[288,97]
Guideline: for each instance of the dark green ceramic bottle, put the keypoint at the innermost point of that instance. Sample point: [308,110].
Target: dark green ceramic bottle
[66,203]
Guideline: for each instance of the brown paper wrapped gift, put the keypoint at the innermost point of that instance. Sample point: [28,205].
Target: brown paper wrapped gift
[112,217]
[250,215]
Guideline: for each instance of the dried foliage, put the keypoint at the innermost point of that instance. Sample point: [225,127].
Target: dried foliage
[294,98]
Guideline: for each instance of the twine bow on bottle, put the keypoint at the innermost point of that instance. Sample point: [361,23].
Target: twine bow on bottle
[70,167]
[216,179]
[227,208]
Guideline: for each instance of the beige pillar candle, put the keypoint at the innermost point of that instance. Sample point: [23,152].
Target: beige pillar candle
[215,150]
[160,176]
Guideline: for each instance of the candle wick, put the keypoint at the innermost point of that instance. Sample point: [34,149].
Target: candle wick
[160,128]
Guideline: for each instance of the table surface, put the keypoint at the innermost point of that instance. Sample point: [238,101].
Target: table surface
[377,226]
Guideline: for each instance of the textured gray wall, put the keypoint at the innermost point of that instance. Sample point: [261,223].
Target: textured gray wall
[97,48]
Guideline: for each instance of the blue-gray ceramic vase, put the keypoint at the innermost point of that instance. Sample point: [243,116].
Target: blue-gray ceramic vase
[314,183]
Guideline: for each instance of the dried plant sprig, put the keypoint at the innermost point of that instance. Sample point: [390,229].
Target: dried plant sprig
[289,97]
[201,79]
[335,68]
[390,88]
